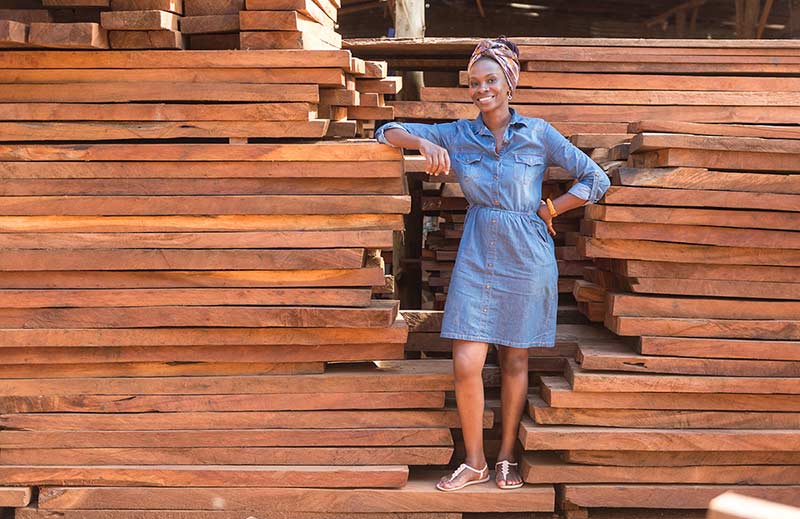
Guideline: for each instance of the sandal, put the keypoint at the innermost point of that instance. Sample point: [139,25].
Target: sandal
[501,474]
[461,468]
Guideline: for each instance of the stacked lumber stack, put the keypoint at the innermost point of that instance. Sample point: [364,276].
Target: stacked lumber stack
[697,271]
[149,24]
[290,24]
[189,324]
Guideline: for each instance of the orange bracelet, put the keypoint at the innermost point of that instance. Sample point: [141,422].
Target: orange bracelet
[551,208]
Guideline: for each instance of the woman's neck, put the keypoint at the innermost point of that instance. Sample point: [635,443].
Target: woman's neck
[497,119]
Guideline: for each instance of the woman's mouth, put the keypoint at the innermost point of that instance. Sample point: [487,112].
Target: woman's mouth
[485,99]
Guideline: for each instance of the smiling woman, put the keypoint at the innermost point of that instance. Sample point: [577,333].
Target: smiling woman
[503,289]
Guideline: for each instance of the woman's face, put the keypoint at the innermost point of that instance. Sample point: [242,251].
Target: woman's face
[488,87]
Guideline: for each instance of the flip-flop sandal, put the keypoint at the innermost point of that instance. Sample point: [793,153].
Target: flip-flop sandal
[501,474]
[461,468]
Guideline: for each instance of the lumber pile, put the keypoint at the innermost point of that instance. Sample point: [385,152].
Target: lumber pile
[188,323]
[133,24]
[290,24]
[211,25]
[67,25]
[695,268]
[217,95]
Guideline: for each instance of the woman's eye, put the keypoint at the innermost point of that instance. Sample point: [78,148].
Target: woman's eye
[492,80]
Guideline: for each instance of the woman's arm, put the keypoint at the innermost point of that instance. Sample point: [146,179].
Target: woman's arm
[592,180]
[427,138]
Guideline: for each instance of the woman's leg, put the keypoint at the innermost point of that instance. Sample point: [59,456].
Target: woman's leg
[513,395]
[468,360]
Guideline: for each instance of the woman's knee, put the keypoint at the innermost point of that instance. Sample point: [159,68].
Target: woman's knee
[468,363]
[514,361]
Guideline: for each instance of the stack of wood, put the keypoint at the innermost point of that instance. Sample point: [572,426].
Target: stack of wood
[290,24]
[93,96]
[138,24]
[697,270]
[211,25]
[189,324]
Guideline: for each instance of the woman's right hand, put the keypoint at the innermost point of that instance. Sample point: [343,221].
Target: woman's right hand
[437,159]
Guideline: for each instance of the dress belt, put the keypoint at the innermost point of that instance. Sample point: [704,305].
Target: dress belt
[502,210]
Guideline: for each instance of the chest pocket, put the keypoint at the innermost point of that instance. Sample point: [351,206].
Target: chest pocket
[469,165]
[528,167]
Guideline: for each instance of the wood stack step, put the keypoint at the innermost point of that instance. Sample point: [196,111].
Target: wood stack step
[132,28]
[211,25]
[290,24]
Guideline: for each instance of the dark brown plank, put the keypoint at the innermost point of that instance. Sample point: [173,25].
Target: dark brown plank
[720,348]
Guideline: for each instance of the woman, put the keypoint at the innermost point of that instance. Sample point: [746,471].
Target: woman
[503,289]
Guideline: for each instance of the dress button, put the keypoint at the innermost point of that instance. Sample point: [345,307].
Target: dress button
[494,221]
[485,310]
[488,286]
[491,264]
[496,202]
[491,243]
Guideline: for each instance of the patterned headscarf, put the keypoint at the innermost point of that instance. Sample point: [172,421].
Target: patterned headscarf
[499,51]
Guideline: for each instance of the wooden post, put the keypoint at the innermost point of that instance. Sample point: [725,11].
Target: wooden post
[409,22]
[747,14]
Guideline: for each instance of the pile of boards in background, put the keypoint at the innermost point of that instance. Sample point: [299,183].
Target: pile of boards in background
[172,24]
[690,260]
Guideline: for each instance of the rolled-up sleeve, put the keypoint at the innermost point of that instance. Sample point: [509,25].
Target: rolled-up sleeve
[436,133]
[592,180]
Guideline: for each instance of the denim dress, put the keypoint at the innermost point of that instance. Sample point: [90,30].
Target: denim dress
[504,285]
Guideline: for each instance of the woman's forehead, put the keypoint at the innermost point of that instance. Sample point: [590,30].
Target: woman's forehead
[484,67]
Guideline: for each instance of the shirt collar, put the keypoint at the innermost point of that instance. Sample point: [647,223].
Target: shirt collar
[479,127]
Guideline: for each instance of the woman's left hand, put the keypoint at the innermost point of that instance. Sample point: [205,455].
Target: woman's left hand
[544,214]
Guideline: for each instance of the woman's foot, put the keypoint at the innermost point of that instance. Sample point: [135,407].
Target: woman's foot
[463,476]
[507,475]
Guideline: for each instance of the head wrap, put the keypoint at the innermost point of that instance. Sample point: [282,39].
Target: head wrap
[499,51]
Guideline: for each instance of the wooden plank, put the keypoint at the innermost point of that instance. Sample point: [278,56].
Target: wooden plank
[231,456]
[164,59]
[78,35]
[618,357]
[210,7]
[205,240]
[150,20]
[200,223]
[32,513]
[680,459]
[224,23]
[426,375]
[378,314]
[387,85]
[657,141]
[307,151]
[305,40]
[582,380]
[157,369]
[670,496]
[435,418]
[720,348]
[535,437]
[658,419]
[280,20]
[173,6]
[696,271]
[618,195]
[13,263]
[137,115]
[211,403]
[324,14]
[621,304]
[242,438]
[296,171]
[723,328]
[731,130]
[14,497]
[13,33]
[228,337]
[186,297]
[419,495]
[685,253]
[698,178]
[92,131]
[26,16]
[732,160]
[542,468]
[186,205]
[681,217]
[320,76]
[212,476]
[200,354]
[170,91]
[663,66]
[558,394]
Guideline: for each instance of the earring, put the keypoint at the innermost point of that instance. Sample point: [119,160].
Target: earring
[509,96]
